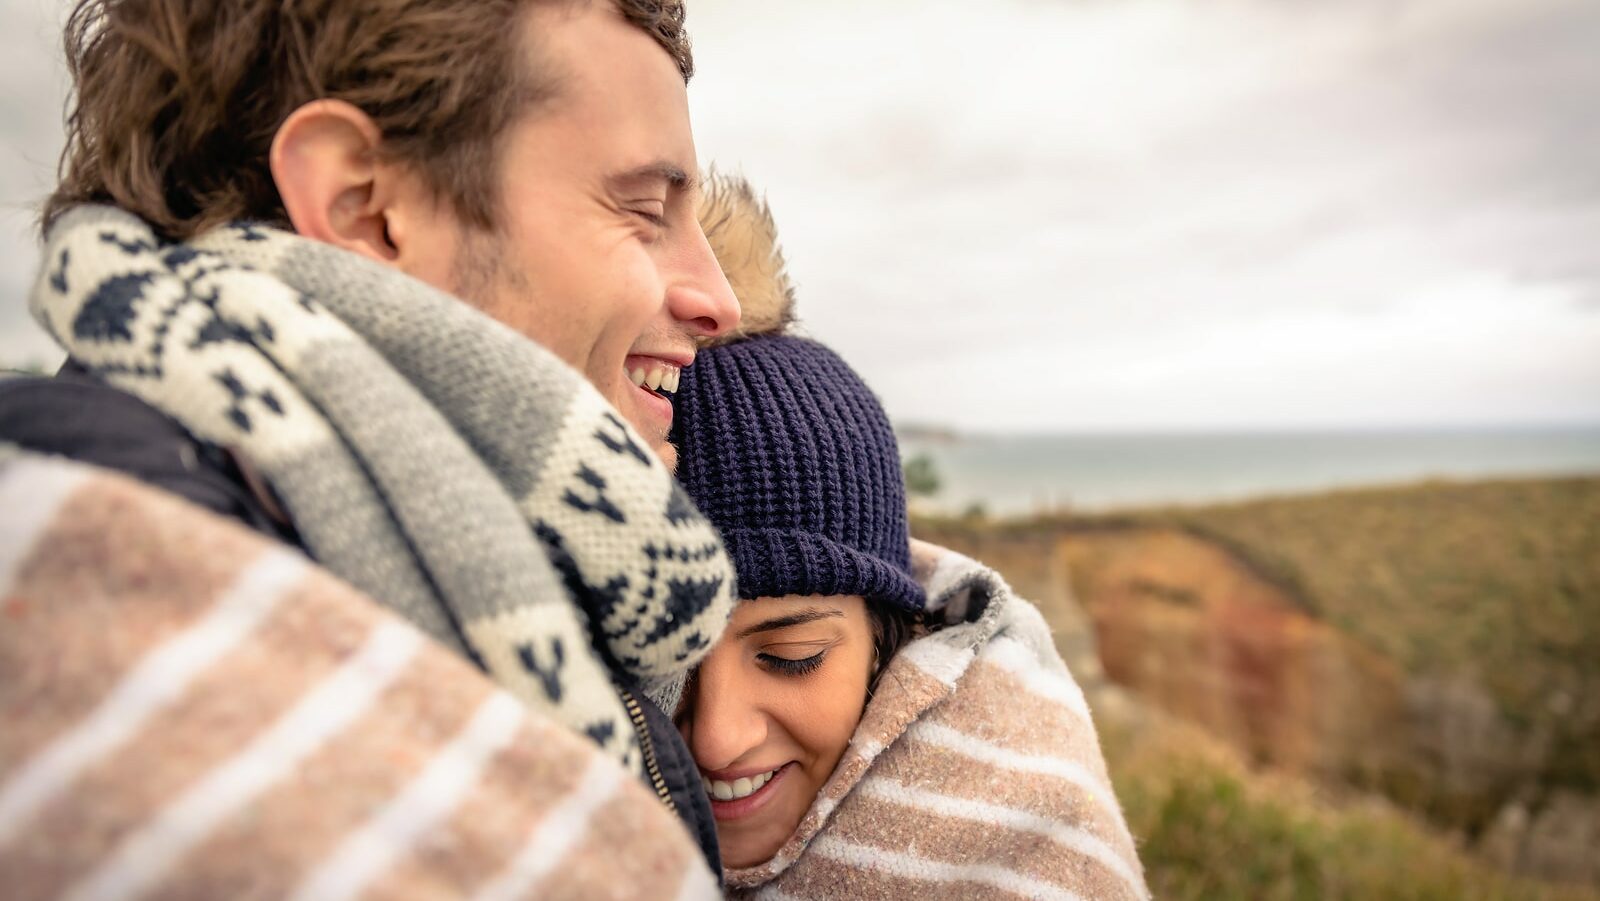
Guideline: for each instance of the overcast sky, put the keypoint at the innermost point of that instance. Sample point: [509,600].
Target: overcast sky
[1097,214]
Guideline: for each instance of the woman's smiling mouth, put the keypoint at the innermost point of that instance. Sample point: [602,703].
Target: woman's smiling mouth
[737,798]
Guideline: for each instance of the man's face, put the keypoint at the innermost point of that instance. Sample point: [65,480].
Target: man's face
[597,254]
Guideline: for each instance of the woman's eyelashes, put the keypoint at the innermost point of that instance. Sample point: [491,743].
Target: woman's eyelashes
[790,667]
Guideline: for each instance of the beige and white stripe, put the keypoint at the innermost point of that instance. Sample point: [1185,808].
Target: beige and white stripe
[1015,658]
[995,756]
[417,810]
[193,711]
[946,772]
[30,504]
[1070,837]
[554,837]
[155,682]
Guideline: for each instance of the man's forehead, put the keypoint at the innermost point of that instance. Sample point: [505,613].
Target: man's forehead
[565,40]
[617,94]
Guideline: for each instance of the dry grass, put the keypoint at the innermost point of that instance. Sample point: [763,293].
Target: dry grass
[1210,828]
[1496,583]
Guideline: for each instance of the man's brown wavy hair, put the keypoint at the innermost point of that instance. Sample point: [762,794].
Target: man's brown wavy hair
[175,102]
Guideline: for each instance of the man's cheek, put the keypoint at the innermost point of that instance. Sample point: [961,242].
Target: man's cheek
[641,292]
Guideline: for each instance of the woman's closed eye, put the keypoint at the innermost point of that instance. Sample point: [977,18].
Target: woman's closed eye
[787,666]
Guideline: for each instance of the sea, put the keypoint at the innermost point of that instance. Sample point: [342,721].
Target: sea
[1010,475]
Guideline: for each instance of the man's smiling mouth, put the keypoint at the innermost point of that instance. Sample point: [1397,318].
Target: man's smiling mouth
[656,376]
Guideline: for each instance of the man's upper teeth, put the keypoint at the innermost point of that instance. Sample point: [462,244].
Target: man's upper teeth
[656,378]
[743,787]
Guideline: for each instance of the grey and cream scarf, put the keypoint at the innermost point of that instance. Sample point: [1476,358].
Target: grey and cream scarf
[435,459]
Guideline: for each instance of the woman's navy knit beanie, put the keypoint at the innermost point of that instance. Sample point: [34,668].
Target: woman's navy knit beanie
[792,458]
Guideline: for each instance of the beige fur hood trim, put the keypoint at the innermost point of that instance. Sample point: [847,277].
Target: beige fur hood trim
[745,239]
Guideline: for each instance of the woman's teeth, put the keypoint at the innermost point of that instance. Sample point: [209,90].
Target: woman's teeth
[658,378]
[742,787]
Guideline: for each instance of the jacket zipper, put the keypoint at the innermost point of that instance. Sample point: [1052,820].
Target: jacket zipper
[648,746]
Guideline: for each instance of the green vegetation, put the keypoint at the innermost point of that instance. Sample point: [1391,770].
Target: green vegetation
[1210,828]
[1451,578]
[1493,583]
[1485,596]
[922,477]
[1487,589]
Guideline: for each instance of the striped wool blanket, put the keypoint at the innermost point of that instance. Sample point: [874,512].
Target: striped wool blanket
[975,771]
[192,711]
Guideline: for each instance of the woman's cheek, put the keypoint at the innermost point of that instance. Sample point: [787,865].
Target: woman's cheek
[844,698]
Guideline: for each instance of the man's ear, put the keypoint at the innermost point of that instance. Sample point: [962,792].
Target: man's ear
[324,160]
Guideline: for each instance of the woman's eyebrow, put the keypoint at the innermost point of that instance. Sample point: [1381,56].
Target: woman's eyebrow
[808,615]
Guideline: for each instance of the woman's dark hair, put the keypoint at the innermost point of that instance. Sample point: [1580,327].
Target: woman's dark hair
[892,628]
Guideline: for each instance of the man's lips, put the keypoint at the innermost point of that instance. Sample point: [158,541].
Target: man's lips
[653,377]
[657,409]
[655,374]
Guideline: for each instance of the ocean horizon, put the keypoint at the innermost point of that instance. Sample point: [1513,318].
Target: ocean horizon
[1011,475]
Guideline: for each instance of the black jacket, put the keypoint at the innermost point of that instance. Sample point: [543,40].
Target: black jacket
[76,416]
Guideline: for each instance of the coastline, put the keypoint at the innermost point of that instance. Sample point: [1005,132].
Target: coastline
[1429,646]
[1019,475]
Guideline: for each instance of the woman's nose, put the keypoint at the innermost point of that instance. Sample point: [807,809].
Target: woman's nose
[725,721]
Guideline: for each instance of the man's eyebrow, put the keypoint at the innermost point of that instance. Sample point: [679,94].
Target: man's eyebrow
[808,615]
[660,170]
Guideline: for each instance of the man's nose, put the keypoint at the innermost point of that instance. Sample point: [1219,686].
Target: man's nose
[725,723]
[700,296]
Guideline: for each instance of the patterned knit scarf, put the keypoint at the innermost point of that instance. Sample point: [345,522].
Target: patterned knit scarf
[432,457]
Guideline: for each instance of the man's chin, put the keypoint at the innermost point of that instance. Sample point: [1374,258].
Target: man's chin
[668,455]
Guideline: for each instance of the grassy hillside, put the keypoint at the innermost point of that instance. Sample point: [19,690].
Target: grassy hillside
[1494,583]
[1210,828]
[1483,601]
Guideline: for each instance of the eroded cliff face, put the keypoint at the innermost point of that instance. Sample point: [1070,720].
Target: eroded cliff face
[1185,625]
[1182,622]
[1192,627]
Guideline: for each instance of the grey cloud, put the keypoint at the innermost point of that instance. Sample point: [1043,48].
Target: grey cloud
[1047,215]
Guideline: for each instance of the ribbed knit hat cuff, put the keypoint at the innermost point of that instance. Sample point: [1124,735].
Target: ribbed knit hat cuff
[781,562]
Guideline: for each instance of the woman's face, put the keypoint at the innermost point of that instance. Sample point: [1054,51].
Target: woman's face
[771,711]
